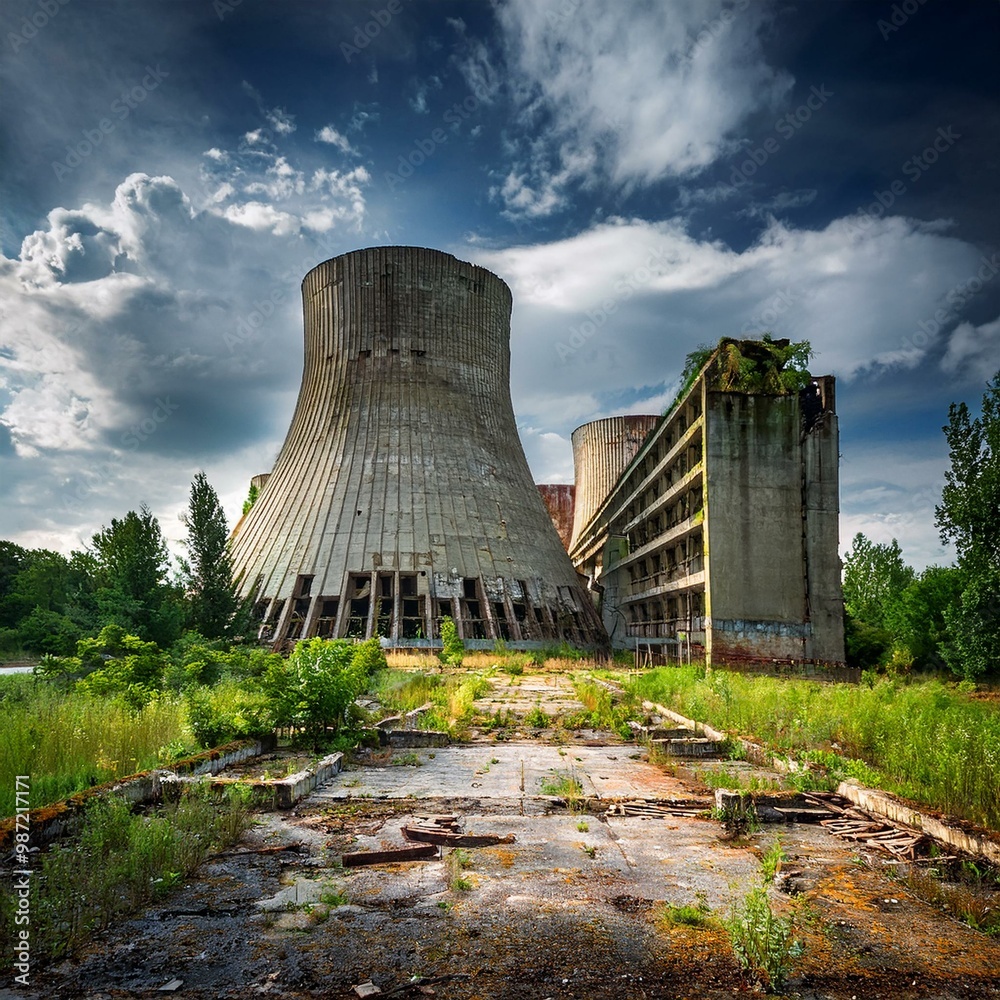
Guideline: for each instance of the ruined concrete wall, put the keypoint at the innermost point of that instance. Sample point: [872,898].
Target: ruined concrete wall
[601,451]
[401,492]
[821,477]
[559,502]
[754,527]
[773,587]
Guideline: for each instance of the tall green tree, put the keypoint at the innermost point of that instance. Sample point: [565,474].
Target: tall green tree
[969,515]
[874,577]
[212,595]
[917,620]
[132,573]
[12,560]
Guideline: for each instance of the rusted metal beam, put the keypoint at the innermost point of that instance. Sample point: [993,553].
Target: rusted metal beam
[362,858]
[433,834]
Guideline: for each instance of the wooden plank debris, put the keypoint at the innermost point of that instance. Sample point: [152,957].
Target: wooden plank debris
[855,824]
[659,807]
[362,858]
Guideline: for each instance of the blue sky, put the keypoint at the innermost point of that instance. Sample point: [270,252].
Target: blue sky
[647,176]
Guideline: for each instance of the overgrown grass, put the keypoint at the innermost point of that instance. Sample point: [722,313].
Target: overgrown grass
[564,786]
[450,695]
[605,709]
[404,690]
[120,861]
[925,740]
[66,742]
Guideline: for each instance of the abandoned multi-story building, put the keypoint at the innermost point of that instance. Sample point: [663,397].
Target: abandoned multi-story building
[711,532]
[401,493]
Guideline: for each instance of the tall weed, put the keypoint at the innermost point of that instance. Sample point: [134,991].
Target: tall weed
[67,742]
[922,739]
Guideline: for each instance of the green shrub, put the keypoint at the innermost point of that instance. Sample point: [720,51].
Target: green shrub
[228,712]
[369,657]
[761,940]
[453,649]
[313,689]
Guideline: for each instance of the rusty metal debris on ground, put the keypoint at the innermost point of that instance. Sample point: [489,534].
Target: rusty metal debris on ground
[362,858]
[446,832]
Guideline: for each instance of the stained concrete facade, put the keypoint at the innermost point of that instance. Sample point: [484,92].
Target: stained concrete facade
[719,540]
[401,493]
[560,501]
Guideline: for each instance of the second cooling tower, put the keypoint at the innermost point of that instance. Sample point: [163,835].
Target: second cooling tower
[402,493]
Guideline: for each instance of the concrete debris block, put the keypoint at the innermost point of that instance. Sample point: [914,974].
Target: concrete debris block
[174,984]
[366,989]
[415,738]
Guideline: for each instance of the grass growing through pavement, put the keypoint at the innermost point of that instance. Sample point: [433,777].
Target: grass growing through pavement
[67,742]
[606,709]
[564,786]
[687,914]
[923,739]
[457,861]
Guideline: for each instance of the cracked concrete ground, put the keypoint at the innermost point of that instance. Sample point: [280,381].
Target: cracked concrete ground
[573,907]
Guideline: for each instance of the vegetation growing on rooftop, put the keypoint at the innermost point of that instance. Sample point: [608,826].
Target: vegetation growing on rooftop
[774,367]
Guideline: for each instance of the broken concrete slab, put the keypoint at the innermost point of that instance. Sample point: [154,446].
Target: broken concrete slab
[290,790]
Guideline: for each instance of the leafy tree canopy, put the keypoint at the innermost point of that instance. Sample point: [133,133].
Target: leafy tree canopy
[969,515]
[874,577]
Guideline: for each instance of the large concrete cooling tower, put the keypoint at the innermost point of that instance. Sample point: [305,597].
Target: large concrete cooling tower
[401,493]
[601,451]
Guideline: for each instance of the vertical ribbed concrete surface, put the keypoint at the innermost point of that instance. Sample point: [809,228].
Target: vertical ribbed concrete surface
[559,499]
[402,493]
[601,451]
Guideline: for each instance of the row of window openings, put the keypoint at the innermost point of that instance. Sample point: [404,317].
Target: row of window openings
[687,506]
[691,413]
[674,611]
[677,471]
[470,618]
[675,562]
[411,606]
